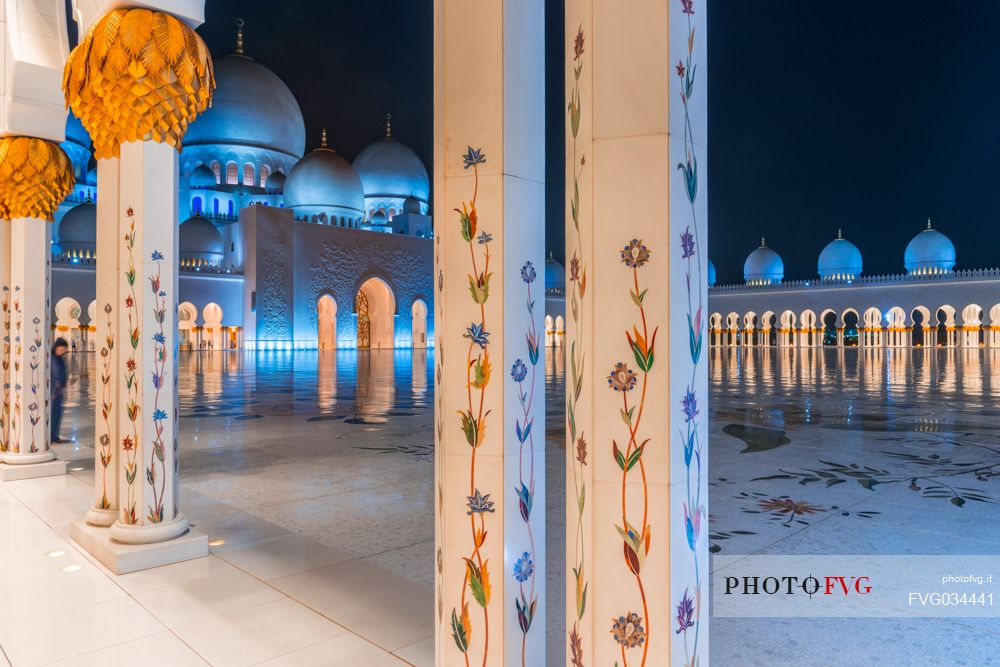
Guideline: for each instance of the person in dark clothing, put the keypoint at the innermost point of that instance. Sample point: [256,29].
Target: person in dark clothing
[59,377]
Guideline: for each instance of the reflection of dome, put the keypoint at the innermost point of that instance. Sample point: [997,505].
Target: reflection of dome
[390,168]
[78,229]
[378,219]
[276,182]
[324,182]
[202,177]
[839,260]
[411,205]
[763,266]
[711,273]
[251,107]
[555,274]
[930,252]
[75,131]
[199,239]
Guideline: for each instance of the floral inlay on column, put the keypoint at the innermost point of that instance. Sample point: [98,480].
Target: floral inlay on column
[524,568]
[473,419]
[38,384]
[104,446]
[577,441]
[159,374]
[628,630]
[5,365]
[15,422]
[132,382]
[689,607]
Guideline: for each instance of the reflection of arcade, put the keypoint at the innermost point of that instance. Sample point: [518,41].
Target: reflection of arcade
[376,384]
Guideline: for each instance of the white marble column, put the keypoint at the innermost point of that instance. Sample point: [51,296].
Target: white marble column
[637,493]
[29,361]
[107,444]
[6,336]
[489,332]
[147,345]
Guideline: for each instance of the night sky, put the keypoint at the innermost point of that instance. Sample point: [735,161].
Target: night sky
[867,116]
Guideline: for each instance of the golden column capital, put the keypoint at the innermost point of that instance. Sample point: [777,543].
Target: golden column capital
[138,75]
[35,175]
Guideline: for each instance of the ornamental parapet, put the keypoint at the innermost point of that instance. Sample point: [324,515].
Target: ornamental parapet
[887,279]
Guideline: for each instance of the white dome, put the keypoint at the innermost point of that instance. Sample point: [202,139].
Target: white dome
[711,273]
[78,228]
[389,168]
[411,205]
[378,219]
[199,239]
[276,182]
[251,107]
[839,260]
[763,266]
[555,274]
[929,252]
[324,182]
[202,177]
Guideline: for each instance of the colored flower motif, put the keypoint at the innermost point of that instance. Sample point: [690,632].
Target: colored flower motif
[479,503]
[628,630]
[574,268]
[157,255]
[688,6]
[105,440]
[635,254]
[162,293]
[129,302]
[789,506]
[524,568]
[528,273]
[622,378]
[581,450]
[685,612]
[440,280]
[477,335]
[578,44]
[692,526]
[130,364]
[159,338]
[36,321]
[107,308]
[690,405]
[518,371]
[575,648]
[484,238]
[687,244]
[680,68]
[473,157]
[159,415]
[128,444]
[130,212]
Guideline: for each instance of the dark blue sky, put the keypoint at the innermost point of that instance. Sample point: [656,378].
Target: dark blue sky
[867,116]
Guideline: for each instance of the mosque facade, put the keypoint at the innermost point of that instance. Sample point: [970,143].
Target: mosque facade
[279,248]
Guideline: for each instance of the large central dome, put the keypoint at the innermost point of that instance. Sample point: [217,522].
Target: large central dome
[251,107]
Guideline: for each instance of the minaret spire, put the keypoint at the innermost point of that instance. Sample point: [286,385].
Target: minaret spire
[239,36]
[388,126]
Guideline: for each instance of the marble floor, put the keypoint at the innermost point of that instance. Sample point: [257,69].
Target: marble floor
[315,471]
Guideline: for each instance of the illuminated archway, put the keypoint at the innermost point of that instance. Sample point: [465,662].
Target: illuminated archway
[375,307]
[212,314]
[922,332]
[187,316]
[326,311]
[418,327]
[68,313]
[972,326]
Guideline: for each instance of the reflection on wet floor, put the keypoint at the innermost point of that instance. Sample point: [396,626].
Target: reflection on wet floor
[812,451]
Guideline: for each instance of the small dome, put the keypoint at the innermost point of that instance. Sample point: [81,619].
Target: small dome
[276,182]
[202,177]
[324,182]
[390,168]
[839,260]
[930,252]
[763,266]
[199,239]
[76,132]
[251,107]
[78,229]
[411,205]
[555,274]
[711,273]
[378,219]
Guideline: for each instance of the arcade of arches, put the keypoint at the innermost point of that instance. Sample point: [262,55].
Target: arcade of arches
[941,326]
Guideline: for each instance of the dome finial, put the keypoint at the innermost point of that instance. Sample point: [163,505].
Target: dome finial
[388,126]
[929,223]
[763,243]
[239,36]
[322,142]
[840,233]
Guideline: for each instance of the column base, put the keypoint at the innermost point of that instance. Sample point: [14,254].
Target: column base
[149,533]
[47,468]
[100,518]
[125,558]
[28,459]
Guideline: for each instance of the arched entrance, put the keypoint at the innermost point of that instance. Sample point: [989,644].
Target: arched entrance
[326,311]
[68,321]
[375,308]
[418,326]
[850,321]
[187,315]
[212,314]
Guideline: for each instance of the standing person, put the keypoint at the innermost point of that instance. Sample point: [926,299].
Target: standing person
[59,378]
